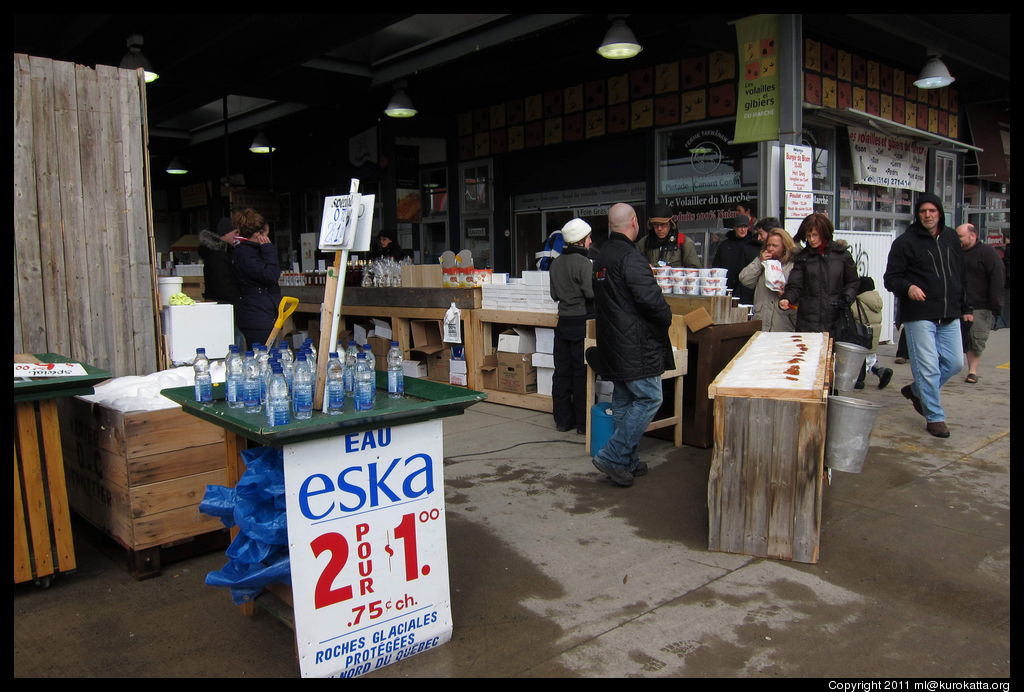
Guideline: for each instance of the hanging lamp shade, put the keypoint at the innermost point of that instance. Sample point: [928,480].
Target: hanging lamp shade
[400,105]
[134,59]
[934,75]
[177,166]
[261,145]
[619,43]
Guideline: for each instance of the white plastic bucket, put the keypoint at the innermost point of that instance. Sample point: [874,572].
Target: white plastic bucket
[850,422]
[169,285]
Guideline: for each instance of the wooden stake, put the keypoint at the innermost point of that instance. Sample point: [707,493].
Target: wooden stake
[328,325]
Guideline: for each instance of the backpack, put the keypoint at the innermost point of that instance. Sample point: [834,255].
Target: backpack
[553,247]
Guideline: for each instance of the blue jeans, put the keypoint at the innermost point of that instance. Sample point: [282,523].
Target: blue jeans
[936,354]
[634,405]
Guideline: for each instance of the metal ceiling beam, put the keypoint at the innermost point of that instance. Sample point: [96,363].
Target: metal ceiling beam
[912,28]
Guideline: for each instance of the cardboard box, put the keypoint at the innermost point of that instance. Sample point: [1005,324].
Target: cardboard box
[361,332]
[489,372]
[381,328]
[519,379]
[514,359]
[437,364]
[425,332]
[380,346]
[697,320]
[544,378]
[458,379]
[536,278]
[517,340]
[545,338]
[543,360]
[457,367]
[421,276]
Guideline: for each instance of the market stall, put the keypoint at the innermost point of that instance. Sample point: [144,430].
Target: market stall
[767,470]
[364,497]
[43,544]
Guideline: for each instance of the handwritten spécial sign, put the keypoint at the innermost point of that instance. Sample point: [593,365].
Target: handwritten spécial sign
[887,161]
[49,370]
[368,549]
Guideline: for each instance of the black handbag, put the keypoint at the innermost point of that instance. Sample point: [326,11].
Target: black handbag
[848,330]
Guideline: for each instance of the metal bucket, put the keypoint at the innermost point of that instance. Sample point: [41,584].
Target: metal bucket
[850,422]
[849,358]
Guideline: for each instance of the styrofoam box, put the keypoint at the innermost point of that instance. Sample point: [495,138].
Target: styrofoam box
[210,325]
[545,340]
[414,368]
[544,377]
[537,278]
[543,360]
[522,341]
[457,367]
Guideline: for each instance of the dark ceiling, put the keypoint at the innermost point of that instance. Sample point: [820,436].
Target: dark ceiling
[272,66]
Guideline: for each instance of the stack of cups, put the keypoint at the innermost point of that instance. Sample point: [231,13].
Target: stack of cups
[663,275]
[712,282]
[685,281]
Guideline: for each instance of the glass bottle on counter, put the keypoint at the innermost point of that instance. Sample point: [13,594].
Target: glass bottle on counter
[335,386]
[204,381]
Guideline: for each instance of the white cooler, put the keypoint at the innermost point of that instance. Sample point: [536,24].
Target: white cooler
[207,325]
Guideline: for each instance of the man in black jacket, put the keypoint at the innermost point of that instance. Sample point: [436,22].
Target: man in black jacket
[926,273]
[984,271]
[632,338]
[736,250]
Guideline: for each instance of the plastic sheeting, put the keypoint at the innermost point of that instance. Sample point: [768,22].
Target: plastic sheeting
[258,555]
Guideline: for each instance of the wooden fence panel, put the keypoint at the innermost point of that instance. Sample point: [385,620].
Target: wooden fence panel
[85,284]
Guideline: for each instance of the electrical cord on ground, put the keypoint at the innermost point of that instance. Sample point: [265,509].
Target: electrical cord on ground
[518,444]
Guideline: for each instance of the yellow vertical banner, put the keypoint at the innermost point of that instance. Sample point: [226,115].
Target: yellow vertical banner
[757,114]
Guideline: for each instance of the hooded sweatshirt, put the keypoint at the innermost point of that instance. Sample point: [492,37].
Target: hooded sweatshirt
[935,264]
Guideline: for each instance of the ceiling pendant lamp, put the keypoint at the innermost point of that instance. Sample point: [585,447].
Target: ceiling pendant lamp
[619,43]
[134,59]
[177,166]
[935,74]
[261,145]
[400,105]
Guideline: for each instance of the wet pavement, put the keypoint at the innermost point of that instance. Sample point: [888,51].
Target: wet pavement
[555,572]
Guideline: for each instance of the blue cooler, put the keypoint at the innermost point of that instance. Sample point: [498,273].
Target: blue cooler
[602,425]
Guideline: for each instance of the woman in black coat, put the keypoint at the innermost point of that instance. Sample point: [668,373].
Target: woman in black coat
[256,272]
[824,278]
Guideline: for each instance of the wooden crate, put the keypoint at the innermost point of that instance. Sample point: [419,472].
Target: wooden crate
[766,480]
[140,476]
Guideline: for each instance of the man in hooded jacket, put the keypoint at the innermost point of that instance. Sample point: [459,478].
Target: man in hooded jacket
[663,244]
[926,272]
[632,339]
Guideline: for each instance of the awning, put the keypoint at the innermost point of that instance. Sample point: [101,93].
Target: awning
[990,128]
[852,116]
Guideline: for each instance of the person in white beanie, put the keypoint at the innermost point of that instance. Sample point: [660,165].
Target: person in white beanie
[571,278]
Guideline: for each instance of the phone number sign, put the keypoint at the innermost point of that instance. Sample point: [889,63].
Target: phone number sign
[369,555]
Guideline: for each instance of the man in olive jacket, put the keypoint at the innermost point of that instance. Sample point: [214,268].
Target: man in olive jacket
[926,273]
[632,339]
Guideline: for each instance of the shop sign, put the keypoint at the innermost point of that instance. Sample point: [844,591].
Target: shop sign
[757,117]
[707,210]
[347,222]
[887,161]
[799,204]
[557,199]
[48,370]
[368,548]
[798,166]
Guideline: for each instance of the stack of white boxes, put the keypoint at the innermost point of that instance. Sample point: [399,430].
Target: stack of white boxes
[532,293]
[543,359]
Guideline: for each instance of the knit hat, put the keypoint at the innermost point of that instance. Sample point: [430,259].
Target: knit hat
[741,221]
[575,231]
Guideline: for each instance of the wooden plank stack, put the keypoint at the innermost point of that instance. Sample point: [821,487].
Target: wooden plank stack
[84,283]
[766,480]
[140,476]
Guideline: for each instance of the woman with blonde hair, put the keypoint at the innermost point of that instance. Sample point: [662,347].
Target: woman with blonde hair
[256,272]
[767,275]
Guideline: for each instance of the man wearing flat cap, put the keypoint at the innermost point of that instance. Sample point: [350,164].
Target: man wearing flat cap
[663,245]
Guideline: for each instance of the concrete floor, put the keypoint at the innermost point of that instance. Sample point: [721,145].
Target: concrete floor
[557,573]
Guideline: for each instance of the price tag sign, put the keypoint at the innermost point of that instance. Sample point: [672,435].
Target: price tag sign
[48,370]
[369,554]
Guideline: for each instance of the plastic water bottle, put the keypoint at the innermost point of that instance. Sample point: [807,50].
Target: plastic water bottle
[371,364]
[351,353]
[204,382]
[334,390]
[396,377]
[365,385]
[253,383]
[308,345]
[233,377]
[263,362]
[302,388]
[278,409]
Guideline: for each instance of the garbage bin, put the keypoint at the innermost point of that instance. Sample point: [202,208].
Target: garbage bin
[848,434]
[602,425]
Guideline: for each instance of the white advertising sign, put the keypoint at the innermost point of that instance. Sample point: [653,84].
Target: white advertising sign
[48,369]
[799,204]
[887,161]
[798,168]
[369,555]
[347,223]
